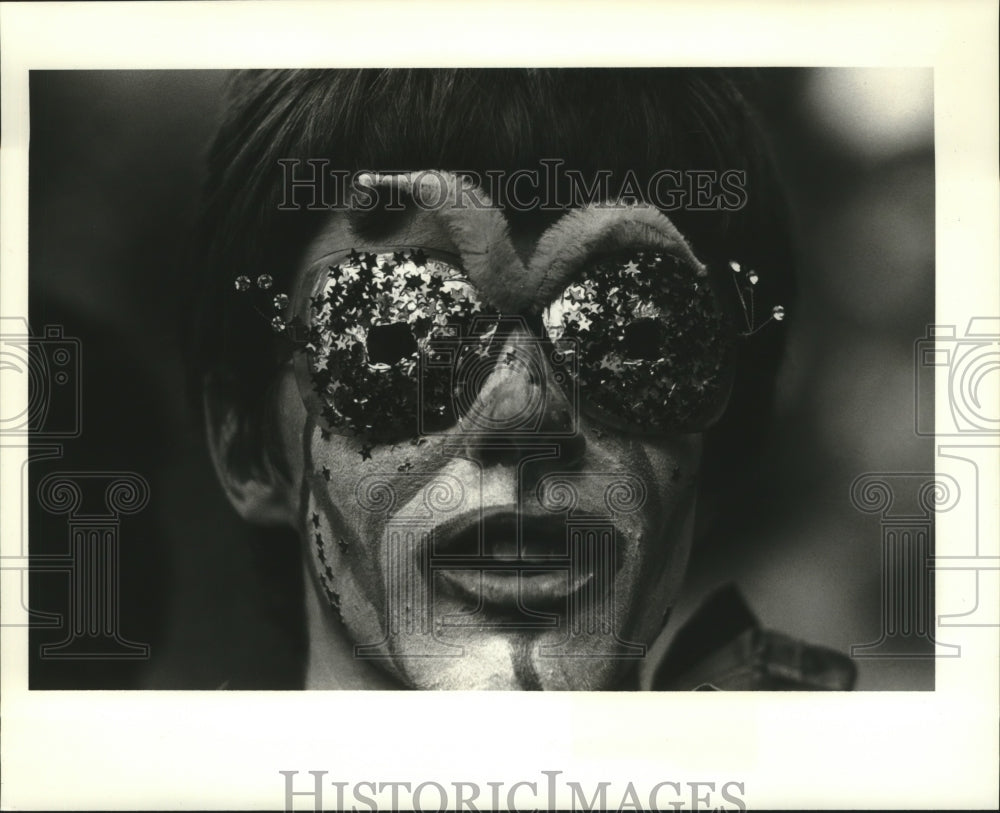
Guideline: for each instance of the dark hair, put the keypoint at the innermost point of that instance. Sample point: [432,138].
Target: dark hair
[641,120]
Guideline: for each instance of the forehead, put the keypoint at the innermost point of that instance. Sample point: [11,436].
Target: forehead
[516,266]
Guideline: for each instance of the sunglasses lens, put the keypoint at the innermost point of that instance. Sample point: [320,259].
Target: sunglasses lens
[376,322]
[655,342]
[652,343]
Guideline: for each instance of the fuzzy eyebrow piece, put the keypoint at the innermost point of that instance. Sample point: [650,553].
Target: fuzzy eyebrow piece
[481,234]
[388,215]
[581,233]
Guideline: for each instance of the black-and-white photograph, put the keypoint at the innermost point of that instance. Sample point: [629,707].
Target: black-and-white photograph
[619,380]
[482,378]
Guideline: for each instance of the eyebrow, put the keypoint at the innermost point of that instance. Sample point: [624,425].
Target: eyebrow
[392,210]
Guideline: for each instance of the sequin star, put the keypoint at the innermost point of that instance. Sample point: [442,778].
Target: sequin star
[366,452]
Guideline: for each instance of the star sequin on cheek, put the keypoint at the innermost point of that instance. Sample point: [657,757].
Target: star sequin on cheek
[326,573]
[365,452]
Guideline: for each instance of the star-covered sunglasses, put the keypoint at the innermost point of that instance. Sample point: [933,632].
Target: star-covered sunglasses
[400,343]
[614,318]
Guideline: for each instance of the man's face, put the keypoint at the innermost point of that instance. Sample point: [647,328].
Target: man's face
[523,540]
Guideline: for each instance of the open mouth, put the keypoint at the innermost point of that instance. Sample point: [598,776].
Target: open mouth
[509,561]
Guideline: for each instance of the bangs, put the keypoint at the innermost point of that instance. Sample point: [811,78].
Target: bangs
[492,119]
[611,121]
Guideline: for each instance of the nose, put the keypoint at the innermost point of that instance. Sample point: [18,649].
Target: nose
[513,396]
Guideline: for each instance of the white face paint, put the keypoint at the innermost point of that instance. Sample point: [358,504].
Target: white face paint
[472,560]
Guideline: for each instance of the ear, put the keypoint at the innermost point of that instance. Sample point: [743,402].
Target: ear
[258,491]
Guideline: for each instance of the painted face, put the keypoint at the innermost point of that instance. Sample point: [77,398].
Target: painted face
[497,462]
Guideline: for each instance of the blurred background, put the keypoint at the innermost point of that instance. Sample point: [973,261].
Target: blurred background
[115,172]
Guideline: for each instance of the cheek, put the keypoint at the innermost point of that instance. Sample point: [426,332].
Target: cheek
[292,423]
[669,467]
[669,470]
[324,472]
[673,468]
[673,465]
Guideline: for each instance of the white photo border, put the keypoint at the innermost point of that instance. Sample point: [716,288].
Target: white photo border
[121,750]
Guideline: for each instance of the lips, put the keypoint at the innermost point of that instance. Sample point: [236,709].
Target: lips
[508,561]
